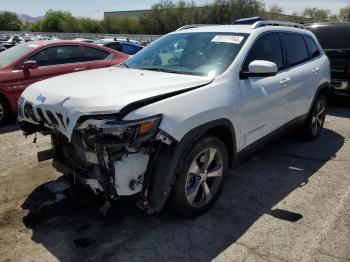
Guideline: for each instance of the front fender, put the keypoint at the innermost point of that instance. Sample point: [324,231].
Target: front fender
[170,159]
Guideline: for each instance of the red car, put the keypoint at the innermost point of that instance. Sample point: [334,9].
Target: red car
[25,64]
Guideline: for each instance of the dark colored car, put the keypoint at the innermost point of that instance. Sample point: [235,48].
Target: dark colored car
[25,64]
[335,40]
[121,46]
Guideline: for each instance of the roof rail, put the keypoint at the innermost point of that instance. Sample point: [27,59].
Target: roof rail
[275,23]
[192,26]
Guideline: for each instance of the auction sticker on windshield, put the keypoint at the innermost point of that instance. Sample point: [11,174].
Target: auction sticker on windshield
[232,39]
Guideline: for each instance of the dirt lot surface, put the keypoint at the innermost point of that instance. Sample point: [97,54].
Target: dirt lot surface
[288,202]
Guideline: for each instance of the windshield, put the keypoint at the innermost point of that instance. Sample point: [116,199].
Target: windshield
[12,54]
[332,37]
[190,53]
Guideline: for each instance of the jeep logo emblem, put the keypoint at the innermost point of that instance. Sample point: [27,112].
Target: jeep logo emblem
[41,98]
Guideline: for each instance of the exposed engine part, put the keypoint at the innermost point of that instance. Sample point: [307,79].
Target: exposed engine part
[105,208]
[165,138]
[45,155]
[94,185]
[91,157]
[129,173]
[113,157]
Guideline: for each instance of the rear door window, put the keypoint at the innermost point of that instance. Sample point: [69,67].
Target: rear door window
[312,47]
[115,46]
[296,50]
[93,54]
[57,55]
[268,48]
[129,49]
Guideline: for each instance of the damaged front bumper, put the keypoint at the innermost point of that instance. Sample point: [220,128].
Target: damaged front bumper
[112,156]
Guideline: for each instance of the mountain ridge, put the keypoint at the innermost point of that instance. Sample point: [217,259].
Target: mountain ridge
[26,18]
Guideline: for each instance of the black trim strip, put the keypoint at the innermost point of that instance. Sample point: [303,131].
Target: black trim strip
[144,102]
[281,131]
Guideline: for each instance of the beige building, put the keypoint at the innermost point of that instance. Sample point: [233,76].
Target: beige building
[125,14]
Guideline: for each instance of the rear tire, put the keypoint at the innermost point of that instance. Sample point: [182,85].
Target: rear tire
[4,111]
[315,121]
[202,170]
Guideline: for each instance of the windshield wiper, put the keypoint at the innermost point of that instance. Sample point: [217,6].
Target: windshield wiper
[163,70]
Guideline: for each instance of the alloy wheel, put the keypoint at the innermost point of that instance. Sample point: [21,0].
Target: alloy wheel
[1,112]
[318,117]
[204,177]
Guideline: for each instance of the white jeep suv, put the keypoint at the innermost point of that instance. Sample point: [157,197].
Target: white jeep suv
[170,122]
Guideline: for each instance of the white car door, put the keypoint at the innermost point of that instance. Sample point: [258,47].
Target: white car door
[264,105]
[301,73]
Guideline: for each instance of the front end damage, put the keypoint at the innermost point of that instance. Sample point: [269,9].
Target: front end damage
[112,156]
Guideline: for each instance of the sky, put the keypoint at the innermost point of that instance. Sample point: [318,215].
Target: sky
[95,8]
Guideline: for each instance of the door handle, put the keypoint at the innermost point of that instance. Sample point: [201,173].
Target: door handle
[79,69]
[285,82]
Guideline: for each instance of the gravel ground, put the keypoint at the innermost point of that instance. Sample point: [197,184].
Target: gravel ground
[289,201]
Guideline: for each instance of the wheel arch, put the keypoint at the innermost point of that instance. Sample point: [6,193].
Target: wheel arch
[169,158]
[324,89]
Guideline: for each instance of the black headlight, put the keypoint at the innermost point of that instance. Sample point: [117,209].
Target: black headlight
[141,130]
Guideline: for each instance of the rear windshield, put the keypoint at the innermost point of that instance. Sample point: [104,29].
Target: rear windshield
[12,54]
[332,37]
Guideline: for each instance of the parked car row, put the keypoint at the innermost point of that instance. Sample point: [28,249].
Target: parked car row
[27,63]
[121,46]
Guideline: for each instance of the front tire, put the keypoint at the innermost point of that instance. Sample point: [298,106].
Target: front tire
[315,121]
[200,178]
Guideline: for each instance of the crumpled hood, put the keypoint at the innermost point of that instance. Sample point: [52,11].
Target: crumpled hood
[109,89]
[101,91]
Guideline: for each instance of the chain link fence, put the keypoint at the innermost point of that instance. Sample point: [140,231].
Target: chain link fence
[70,36]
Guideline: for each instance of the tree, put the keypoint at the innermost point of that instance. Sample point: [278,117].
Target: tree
[333,18]
[344,14]
[316,13]
[274,12]
[9,22]
[276,9]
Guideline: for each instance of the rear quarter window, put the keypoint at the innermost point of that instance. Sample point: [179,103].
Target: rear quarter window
[92,54]
[130,49]
[312,47]
[295,48]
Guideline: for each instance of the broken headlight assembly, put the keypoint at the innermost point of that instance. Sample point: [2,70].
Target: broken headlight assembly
[126,131]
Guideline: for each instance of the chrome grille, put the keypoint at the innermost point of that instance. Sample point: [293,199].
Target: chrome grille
[52,118]
[20,107]
[41,115]
[29,112]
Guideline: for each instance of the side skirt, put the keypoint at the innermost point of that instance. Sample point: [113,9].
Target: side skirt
[281,131]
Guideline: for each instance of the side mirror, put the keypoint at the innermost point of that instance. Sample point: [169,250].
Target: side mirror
[30,65]
[260,68]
